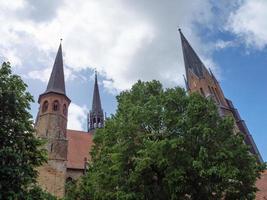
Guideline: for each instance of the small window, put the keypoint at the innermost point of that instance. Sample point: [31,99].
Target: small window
[202,92]
[45,106]
[210,90]
[216,97]
[56,105]
[65,110]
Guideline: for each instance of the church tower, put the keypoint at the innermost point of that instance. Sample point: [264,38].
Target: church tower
[96,115]
[199,79]
[51,125]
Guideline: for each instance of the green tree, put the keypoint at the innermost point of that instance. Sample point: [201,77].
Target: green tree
[20,151]
[37,193]
[165,144]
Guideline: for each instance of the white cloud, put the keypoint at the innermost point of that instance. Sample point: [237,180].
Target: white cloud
[249,22]
[222,44]
[44,74]
[124,40]
[76,117]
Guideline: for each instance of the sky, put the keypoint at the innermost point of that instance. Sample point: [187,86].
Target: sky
[128,40]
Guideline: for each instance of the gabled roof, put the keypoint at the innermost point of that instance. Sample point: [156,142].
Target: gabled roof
[79,146]
[56,82]
[96,105]
[191,59]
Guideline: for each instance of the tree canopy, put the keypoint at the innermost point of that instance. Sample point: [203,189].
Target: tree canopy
[165,144]
[20,151]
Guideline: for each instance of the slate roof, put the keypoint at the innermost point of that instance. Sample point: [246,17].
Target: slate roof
[79,145]
[191,59]
[96,105]
[56,82]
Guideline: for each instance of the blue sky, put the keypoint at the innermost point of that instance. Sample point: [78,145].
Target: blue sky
[127,40]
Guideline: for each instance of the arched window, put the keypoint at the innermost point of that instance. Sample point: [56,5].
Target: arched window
[216,97]
[65,110]
[56,105]
[45,106]
[69,180]
[202,92]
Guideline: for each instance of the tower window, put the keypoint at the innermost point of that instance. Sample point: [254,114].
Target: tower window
[64,109]
[45,106]
[216,97]
[202,92]
[56,105]
[210,90]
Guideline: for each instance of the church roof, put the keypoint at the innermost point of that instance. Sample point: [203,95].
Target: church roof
[96,105]
[191,59]
[56,82]
[262,186]
[79,146]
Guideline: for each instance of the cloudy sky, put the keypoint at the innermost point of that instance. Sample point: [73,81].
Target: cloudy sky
[127,40]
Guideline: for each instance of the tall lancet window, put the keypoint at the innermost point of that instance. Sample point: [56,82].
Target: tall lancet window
[55,105]
[45,106]
[65,110]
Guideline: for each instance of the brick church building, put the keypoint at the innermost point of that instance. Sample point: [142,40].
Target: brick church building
[68,150]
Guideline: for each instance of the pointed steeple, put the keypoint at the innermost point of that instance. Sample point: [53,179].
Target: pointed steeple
[96,115]
[56,82]
[191,60]
[96,106]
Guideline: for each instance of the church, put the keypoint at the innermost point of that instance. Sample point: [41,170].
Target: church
[68,150]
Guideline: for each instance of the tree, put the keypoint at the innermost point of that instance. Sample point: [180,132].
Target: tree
[20,150]
[37,193]
[165,144]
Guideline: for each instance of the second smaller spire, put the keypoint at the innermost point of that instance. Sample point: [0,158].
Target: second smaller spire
[96,114]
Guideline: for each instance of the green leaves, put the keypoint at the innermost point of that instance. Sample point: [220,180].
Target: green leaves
[20,151]
[164,144]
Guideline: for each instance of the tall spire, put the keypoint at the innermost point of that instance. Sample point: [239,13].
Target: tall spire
[96,106]
[56,82]
[96,115]
[191,59]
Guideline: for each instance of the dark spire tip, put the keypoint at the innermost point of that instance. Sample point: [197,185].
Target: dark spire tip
[95,73]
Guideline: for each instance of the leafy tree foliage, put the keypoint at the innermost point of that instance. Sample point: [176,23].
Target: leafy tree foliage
[71,190]
[20,151]
[164,144]
[37,193]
